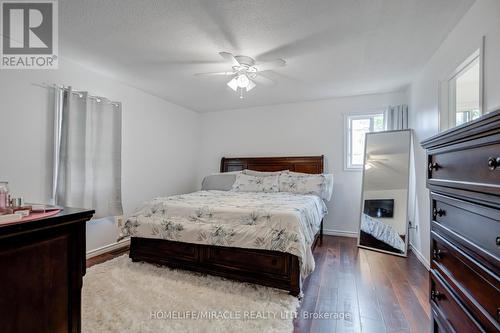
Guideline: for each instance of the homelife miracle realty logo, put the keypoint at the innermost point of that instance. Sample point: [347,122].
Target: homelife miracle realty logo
[29,31]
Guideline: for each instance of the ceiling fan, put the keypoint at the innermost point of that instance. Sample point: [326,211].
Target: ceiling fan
[245,71]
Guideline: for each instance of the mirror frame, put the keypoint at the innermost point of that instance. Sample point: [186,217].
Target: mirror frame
[407,238]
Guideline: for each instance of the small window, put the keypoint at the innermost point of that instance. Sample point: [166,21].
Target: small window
[356,128]
[461,91]
[465,91]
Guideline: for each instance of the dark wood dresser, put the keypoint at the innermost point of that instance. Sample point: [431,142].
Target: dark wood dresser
[463,176]
[42,263]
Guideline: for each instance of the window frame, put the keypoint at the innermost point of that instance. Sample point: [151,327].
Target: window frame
[348,117]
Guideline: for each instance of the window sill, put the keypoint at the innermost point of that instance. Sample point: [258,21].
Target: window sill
[353,169]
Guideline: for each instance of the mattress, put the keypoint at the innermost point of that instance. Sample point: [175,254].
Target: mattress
[280,221]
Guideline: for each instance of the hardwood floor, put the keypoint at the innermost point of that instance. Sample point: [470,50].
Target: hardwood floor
[106,256]
[383,293]
[377,292]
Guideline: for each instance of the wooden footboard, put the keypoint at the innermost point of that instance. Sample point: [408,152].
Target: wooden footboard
[269,268]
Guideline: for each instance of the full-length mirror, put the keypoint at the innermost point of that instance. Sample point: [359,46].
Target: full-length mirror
[384,204]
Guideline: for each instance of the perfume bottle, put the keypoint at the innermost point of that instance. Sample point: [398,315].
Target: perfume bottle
[4,196]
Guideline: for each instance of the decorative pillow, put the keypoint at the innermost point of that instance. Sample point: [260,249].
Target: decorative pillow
[247,183]
[317,184]
[228,173]
[300,173]
[263,173]
[219,182]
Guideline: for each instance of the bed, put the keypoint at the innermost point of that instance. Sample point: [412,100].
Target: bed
[173,231]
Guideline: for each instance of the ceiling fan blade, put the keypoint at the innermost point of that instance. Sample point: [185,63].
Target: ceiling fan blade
[269,65]
[263,80]
[215,74]
[230,57]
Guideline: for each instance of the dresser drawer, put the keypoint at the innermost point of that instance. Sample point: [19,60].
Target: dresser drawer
[474,228]
[474,285]
[246,260]
[467,168]
[450,309]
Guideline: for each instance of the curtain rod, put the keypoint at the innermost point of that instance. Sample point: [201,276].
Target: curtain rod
[80,93]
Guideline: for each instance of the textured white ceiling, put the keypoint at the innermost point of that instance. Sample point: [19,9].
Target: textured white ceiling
[332,47]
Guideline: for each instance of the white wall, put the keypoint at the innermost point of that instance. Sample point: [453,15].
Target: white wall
[398,221]
[483,18]
[308,128]
[159,148]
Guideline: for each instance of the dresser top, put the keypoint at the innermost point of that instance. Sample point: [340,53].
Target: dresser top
[485,125]
[66,216]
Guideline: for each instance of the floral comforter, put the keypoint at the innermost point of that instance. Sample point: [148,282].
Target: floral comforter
[280,221]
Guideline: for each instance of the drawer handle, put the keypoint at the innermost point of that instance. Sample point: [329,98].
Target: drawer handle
[498,241]
[433,166]
[493,163]
[436,295]
[437,254]
[438,212]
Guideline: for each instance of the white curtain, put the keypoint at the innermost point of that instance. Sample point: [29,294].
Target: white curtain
[397,117]
[87,152]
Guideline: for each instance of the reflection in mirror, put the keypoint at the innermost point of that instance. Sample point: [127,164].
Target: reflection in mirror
[384,205]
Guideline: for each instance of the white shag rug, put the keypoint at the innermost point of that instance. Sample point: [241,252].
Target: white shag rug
[124,296]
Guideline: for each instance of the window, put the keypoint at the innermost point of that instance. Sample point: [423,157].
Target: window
[462,92]
[356,128]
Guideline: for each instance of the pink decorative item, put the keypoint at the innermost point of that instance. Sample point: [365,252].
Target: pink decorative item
[34,216]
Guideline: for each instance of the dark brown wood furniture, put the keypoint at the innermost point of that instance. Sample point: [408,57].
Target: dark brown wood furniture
[305,164]
[269,268]
[464,179]
[42,263]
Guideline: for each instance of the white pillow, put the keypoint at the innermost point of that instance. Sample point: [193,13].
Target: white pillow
[317,184]
[263,173]
[300,173]
[247,183]
[227,173]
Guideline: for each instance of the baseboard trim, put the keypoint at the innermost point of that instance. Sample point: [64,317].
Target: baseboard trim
[108,248]
[420,257]
[343,233]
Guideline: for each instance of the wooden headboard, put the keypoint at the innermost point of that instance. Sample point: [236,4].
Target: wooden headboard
[305,164]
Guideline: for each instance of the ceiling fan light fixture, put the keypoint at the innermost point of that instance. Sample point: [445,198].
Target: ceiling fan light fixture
[233,84]
[243,81]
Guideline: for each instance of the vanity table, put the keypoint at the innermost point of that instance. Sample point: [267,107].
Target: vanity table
[42,263]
